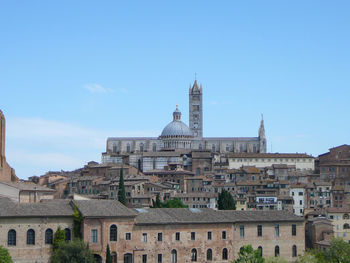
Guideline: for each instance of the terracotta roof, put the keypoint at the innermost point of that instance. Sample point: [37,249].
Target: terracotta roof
[168,216]
[338,209]
[54,208]
[270,155]
[28,187]
[103,208]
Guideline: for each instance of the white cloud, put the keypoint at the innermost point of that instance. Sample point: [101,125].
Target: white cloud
[36,145]
[97,88]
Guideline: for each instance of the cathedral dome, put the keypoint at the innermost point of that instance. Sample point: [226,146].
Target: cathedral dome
[176,127]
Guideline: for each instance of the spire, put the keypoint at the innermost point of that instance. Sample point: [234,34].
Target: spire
[262,127]
[195,86]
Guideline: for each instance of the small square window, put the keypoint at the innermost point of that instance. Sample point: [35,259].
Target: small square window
[223,234]
[160,237]
[209,235]
[193,235]
[144,237]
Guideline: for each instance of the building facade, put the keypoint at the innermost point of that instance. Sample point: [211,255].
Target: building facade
[149,235]
[178,136]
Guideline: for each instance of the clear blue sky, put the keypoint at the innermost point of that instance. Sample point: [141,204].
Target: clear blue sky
[75,72]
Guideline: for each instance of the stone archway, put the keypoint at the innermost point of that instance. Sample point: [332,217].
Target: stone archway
[98,258]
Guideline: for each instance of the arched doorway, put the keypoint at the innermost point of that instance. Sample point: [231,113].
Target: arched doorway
[98,258]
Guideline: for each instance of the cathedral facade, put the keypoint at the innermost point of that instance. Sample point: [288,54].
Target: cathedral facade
[179,137]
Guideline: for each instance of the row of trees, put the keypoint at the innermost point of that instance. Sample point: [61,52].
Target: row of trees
[338,252]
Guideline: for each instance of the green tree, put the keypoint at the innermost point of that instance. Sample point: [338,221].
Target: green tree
[248,255]
[308,257]
[58,238]
[108,255]
[174,203]
[226,201]
[338,252]
[5,255]
[275,260]
[121,190]
[75,251]
[157,203]
[77,222]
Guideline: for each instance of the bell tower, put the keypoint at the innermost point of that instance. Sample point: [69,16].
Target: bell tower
[196,110]
[2,139]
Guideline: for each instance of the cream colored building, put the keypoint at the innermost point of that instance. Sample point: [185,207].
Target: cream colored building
[261,160]
[340,218]
[25,192]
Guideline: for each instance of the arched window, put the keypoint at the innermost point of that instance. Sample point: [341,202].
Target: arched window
[11,238]
[113,233]
[30,237]
[141,147]
[48,236]
[261,250]
[294,251]
[346,216]
[154,147]
[209,254]
[173,256]
[194,254]
[67,234]
[277,251]
[346,226]
[224,254]
[114,257]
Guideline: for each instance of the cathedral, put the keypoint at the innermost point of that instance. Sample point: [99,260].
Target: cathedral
[179,137]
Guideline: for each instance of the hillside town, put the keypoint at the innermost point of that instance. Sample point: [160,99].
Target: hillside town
[285,203]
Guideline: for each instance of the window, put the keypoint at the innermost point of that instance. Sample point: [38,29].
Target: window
[30,237]
[194,254]
[224,254]
[277,251]
[261,250]
[259,230]
[160,258]
[209,235]
[11,238]
[113,233]
[301,202]
[173,256]
[277,230]
[209,254]
[67,234]
[294,251]
[160,237]
[128,258]
[144,237]
[127,236]
[177,236]
[294,230]
[144,258]
[94,236]
[48,236]
[346,226]
[223,234]
[241,231]
[346,216]
[301,193]
[193,235]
